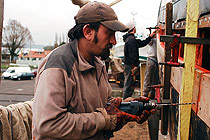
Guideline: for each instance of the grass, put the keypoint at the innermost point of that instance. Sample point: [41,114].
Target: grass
[4,66]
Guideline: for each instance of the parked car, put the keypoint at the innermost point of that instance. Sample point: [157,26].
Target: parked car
[34,71]
[23,76]
[11,71]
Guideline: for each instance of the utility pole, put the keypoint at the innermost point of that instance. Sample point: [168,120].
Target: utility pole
[133,13]
[1,28]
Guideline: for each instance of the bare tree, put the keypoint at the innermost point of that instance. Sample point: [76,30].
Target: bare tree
[15,36]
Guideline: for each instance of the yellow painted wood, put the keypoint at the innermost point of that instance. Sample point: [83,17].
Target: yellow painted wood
[188,71]
[142,75]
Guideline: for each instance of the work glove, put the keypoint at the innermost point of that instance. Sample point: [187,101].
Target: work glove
[134,70]
[153,34]
[119,118]
[139,99]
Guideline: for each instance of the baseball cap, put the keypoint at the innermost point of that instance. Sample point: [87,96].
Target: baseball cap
[130,25]
[99,12]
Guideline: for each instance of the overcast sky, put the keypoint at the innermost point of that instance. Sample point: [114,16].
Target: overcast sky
[45,18]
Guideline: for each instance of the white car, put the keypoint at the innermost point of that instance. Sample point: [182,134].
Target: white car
[14,71]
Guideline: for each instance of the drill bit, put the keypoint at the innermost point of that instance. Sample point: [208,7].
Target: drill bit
[173,104]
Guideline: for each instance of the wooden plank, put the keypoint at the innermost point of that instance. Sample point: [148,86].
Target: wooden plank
[176,76]
[189,40]
[204,98]
[142,75]
[188,71]
[114,2]
[167,71]
[197,90]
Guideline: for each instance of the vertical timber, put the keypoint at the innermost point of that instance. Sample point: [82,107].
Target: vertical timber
[188,75]
[1,28]
[167,70]
[142,75]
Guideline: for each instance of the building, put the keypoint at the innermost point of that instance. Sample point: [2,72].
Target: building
[32,58]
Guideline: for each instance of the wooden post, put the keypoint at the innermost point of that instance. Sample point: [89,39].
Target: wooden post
[1,27]
[114,2]
[142,75]
[167,70]
[191,30]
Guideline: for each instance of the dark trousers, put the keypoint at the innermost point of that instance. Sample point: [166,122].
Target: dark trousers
[128,87]
[151,77]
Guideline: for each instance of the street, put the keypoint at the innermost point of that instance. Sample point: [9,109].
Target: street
[16,91]
[19,91]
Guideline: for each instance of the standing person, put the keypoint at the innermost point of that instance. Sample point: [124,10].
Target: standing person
[152,78]
[131,57]
[152,71]
[72,89]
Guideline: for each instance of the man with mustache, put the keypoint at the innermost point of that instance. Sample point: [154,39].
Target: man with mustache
[71,88]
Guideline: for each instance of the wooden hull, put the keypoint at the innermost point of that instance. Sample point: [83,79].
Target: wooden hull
[200,117]
[200,112]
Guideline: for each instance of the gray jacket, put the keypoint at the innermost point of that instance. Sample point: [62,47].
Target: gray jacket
[67,91]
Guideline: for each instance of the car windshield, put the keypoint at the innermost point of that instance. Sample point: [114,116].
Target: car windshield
[8,70]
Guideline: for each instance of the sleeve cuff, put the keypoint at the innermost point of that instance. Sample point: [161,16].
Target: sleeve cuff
[110,120]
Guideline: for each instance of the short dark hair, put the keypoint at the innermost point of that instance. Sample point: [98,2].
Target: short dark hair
[77,31]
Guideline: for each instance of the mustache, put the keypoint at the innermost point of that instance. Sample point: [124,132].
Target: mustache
[106,52]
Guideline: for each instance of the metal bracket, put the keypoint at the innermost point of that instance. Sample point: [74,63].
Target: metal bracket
[155,86]
[172,64]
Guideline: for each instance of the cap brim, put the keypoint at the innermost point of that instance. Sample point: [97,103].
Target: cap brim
[115,25]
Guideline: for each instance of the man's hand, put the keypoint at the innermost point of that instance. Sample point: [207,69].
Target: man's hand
[142,99]
[134,70]
[122,117]
[153,34]
[139,99]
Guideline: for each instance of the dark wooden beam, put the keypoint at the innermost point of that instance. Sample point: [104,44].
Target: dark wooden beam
[167,70]
[188,40]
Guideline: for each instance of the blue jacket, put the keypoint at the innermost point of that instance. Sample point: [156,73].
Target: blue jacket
[131,52]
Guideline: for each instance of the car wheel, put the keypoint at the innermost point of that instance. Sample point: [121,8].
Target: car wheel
[19,79]
[32,78]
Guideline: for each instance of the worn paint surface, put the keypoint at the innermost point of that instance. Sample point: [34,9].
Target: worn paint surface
[204,104]
[196,92]
[176,78]
[188,71]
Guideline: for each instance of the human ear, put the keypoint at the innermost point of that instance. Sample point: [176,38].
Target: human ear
[88,32]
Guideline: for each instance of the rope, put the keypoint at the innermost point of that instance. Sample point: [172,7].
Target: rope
[10,121]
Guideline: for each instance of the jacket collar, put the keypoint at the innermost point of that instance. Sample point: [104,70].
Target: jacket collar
[84,65]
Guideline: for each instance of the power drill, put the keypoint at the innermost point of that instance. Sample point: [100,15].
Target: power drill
[134,108]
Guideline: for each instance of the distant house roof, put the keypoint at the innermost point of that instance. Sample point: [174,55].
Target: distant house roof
[35,54]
